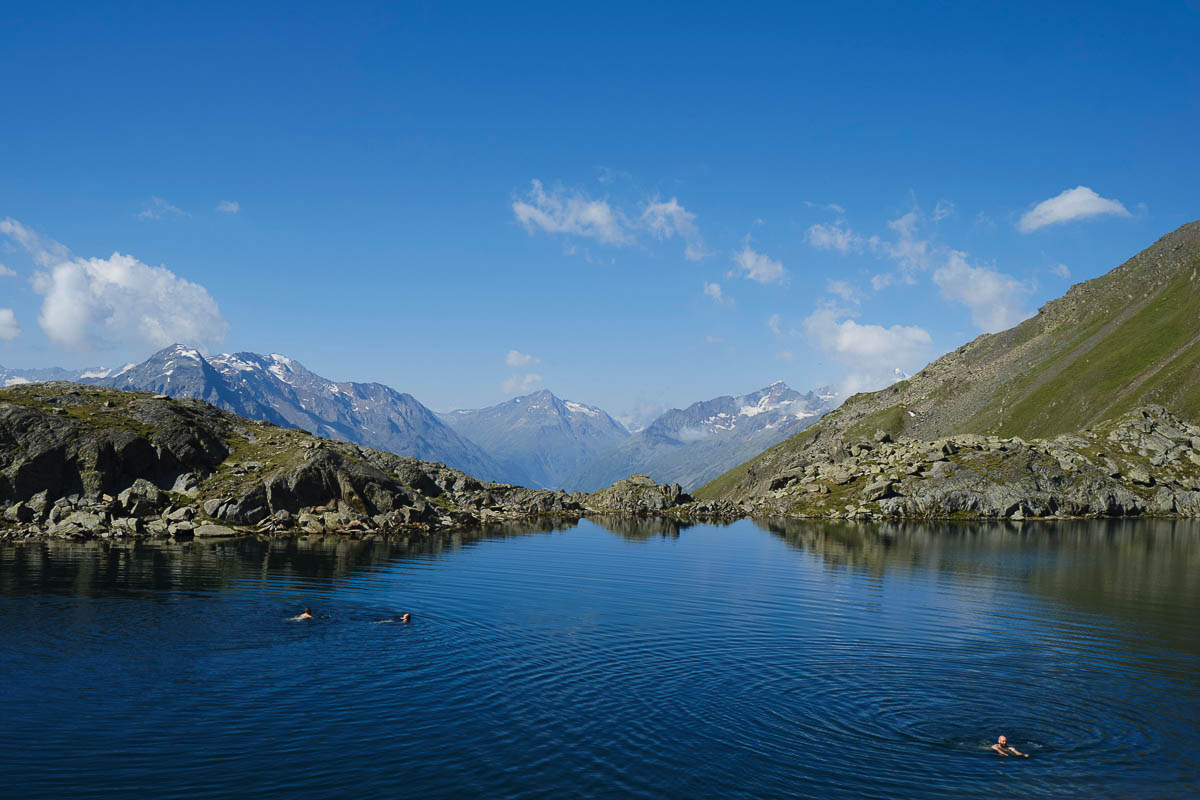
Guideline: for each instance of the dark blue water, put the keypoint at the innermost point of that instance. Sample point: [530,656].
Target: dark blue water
[798,660]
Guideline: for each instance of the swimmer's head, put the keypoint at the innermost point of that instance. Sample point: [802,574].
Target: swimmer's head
[307,610]
[1003,740]
[405,617]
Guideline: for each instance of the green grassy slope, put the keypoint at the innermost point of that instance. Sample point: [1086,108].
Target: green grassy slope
[1126,338]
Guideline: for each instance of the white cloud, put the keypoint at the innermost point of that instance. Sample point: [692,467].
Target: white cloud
[828,206]
[842,289]
[1061,271]
[775,324]
[872,352]
[516,358]
[521,384]
[996,300]
[882,280]
[758,267]
[9,329]
[44,251]
[228,207]
[831,330]
[668,219]
[562,211]
[714,291]
[835,236]
[943,209]
[785,355]
[1078,203]
[95,302]
[158,207]
[5,272]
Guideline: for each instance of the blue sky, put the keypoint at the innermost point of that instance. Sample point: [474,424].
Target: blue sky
[724,195]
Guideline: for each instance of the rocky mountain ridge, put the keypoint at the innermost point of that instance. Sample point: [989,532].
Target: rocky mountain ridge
[1126,339]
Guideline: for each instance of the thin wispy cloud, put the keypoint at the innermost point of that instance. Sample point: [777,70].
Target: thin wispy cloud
[93,303]
[844,290]
[228,207]
[571,212]
[995,300]
[714,291]
[833,236]
[160,208]
[521,384]
[664,220]
[1061,271]
[516,358]
[5,272]
[1073,204]
[759,267]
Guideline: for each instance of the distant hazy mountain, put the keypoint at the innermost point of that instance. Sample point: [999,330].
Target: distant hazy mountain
[12,377]
[694,445]
[539,440]
[277,389]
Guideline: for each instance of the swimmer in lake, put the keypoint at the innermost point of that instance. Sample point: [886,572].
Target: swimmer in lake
[1005,749]
[405,617]
[306,614]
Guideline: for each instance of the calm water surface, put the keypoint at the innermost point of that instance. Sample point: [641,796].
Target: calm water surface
[640,660]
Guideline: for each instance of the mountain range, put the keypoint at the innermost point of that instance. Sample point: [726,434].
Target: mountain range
[1128,338]
[538,440]
[694,445]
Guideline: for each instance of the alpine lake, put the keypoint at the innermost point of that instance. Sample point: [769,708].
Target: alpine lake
[610,659]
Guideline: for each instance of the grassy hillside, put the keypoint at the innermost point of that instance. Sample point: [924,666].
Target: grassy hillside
[1128,338]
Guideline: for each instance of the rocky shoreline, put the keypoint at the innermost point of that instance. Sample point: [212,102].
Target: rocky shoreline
[1144,463]
[80,463]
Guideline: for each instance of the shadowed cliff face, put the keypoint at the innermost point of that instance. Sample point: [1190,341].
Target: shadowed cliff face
[1126,339]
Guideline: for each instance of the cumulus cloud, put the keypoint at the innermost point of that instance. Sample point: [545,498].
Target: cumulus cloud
[228,207]
[97,302]
[1078,203]
[833,331]
[570,212]
[521,384]
[9,329]
[872,353]
[5,272]
[758,267]
[714,291]
[995,300]
[516,358]
[668,219]
[159,208]
[1061,271]
[833,236]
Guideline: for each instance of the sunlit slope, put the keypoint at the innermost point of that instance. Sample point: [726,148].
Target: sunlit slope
[1127,338]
